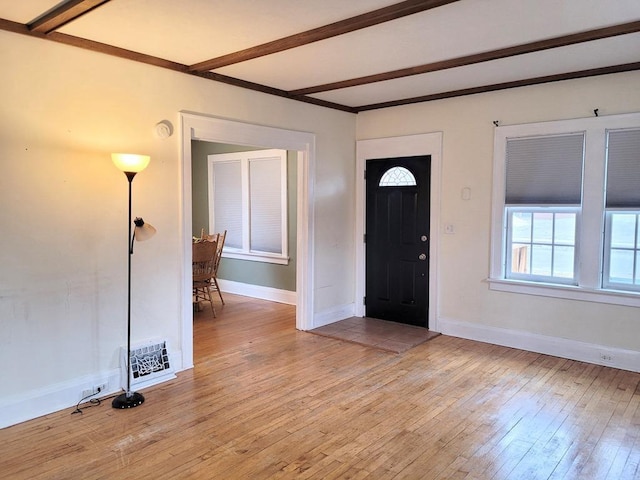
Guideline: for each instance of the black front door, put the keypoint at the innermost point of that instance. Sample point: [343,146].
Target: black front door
[397,239]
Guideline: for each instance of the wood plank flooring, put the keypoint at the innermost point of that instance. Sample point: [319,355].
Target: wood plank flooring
[267,401]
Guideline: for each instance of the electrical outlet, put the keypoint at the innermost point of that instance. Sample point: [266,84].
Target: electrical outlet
[101,388]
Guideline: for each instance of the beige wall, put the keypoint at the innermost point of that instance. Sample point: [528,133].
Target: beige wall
[64,205]
[467,128]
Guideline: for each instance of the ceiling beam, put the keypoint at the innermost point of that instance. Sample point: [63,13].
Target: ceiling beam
[358,22]
[98,47]
[63,14]
[556,42]
[627,67]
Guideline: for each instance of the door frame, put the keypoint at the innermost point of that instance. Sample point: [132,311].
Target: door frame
[214,129]
[405,146]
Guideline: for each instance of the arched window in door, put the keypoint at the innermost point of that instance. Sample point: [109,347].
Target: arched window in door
[397,177]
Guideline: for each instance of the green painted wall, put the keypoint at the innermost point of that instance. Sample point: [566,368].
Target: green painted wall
[282,277]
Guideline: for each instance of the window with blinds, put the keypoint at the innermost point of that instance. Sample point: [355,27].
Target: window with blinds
[248,199]
[227,201]
[622,202]
[543,194]
[265,204]
[566,209]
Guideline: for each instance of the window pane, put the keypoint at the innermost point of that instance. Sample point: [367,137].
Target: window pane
[543,227]
[542,245]
[227,201]
[565,229]
[541,260]
[397,177]
[621,266]
[623,230]
[266,205]
[563,262]
[521,227]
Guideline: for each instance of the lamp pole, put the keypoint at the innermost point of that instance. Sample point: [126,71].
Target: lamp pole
[129,399]
[130,164]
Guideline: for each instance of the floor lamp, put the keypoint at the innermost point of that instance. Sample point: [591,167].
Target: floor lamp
[131,164]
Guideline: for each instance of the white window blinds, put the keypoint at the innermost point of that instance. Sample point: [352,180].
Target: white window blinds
[248,198]
[544,170]
[623,169]
[227,201]
[265,189]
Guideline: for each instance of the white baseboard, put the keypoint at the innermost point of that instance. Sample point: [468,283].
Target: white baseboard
[19,408]
[258,291]
[558,347]
[16,409]
[334,314]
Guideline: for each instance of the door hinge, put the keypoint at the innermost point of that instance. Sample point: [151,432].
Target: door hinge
[364,238]
[365,174]
[364,300]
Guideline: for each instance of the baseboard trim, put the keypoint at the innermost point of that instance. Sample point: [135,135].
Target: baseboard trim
[16,409]
[20,408]
[334,314]
[558,347]
[258,291]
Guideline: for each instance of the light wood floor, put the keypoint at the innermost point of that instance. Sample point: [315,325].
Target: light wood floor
[267,401]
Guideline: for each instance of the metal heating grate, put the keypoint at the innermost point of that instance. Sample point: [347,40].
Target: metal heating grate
[150,364]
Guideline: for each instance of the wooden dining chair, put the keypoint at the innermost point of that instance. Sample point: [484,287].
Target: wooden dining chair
[203,264]
[220,237]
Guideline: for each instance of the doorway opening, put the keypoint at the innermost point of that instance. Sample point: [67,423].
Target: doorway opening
[427,146]
[217,130]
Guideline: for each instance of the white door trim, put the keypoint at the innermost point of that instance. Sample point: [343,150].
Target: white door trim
[406,146]
[212,129]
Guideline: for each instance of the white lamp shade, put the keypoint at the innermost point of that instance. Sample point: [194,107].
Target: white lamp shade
[144,232]
[130,162]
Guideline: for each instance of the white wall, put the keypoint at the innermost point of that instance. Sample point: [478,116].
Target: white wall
[63,219]
[465,298]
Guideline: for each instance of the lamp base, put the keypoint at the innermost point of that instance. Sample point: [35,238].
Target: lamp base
[128,400]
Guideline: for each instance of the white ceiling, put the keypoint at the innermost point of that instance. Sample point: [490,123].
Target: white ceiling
[191,31]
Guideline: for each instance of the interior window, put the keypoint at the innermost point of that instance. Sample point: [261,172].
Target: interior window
[248,199]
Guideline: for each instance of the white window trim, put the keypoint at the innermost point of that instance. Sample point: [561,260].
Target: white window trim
[590,232]
[245,253]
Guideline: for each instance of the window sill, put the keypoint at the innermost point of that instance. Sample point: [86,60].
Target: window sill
[569,292]
[257,257]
